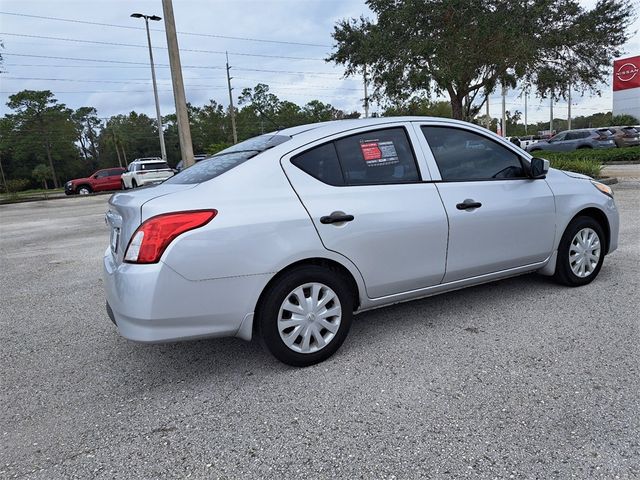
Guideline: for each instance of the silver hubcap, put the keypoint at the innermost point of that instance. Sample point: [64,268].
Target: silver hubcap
[84,191]
[584,252]
[309,318]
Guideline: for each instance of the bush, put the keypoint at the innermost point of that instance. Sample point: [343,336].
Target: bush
[627,154]
[17,185]
[584,166]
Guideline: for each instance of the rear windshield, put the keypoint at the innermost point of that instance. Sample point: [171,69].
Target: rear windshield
[153,166]
[227,159]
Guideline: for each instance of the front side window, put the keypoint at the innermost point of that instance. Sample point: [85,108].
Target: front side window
[102,174]
[374,157]
[464,155]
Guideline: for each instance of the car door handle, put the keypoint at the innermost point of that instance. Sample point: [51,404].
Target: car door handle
[336,217]
[468,204]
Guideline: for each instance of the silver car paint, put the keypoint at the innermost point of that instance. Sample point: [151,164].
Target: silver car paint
[398,239]
[209,280]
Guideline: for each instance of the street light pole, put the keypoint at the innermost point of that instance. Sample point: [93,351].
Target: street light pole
[163,149]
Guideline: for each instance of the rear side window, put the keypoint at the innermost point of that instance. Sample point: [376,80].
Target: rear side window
[321,163]
[374,157]
[464,155]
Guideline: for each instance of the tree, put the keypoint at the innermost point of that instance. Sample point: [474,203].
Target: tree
[420,106]
[467,47]
[42,127]
[42,173]
[88,124]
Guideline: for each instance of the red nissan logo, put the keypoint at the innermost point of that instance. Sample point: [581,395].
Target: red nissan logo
[627,72]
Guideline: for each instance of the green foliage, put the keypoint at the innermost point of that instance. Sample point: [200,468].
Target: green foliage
[585,166]
[41,173]
[623,120]
[467,48]
[16,185]
[627,154]
[217,147]
[419,106]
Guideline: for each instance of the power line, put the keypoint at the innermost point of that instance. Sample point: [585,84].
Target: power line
[211,35]
[118,44]
[215,67]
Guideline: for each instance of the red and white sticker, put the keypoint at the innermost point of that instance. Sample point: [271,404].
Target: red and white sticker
[377,153]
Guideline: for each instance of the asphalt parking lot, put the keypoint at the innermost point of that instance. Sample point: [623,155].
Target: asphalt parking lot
[516,379]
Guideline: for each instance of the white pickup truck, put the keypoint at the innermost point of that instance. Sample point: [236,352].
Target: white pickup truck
[144,171]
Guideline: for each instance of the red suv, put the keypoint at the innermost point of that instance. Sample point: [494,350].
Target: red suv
[107,179]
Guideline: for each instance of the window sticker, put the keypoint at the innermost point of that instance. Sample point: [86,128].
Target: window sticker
[377,153]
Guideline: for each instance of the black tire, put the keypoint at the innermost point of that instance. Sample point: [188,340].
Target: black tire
[82,189]
[134,184]
[269,310]
[123,186]
[564,274]
[584,147]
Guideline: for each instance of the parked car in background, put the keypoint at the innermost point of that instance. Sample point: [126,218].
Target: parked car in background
[197,158]
[576,139]
[100,181]
[528,140]
[626,136]
[144,171]
[287,234]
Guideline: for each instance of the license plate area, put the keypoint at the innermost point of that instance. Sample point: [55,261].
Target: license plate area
[114,239]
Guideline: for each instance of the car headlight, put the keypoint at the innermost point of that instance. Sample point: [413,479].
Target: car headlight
[603,188]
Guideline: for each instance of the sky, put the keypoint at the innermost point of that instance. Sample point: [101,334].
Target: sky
[45,47]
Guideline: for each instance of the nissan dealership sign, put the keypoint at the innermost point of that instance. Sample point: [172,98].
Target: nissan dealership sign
[626,86]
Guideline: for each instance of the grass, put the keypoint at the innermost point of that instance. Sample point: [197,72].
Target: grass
[33,194]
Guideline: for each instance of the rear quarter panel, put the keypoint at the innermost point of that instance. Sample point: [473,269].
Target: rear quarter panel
[260,228]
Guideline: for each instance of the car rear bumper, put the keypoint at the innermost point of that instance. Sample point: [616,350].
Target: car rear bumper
[153,303]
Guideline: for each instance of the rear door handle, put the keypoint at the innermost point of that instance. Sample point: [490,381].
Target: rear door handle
[468,204]
[336,217]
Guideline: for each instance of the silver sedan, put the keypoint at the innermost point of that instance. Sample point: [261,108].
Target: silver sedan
[288,234]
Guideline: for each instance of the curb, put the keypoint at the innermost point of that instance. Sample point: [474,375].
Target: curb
[608,180]
[42,199]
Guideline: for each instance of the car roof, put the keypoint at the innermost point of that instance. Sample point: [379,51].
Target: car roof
[336,126]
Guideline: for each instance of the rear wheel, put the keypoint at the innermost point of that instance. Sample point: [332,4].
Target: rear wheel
[84,189]
[580,253]
[306,315]
[134,184]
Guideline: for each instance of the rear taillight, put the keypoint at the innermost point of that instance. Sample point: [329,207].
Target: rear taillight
[152,238]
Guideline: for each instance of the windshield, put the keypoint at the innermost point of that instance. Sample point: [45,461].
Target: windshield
[227,159]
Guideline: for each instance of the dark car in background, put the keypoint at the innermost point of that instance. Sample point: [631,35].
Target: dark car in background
[626,136]
[570,140]
[101,181]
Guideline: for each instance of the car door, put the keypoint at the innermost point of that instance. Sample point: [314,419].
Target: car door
[101,180]
[557,143]
[114,178]
[499,218]
[366,197]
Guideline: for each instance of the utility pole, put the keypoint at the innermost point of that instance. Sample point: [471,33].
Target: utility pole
[182,116]
[163,149]
[488,119]
[231,109]
[115,145]
[4,180]
[504,110]
[551,114]
[366,95]
[526,96]
[569,109]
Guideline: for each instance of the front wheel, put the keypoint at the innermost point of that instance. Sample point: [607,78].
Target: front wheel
[306,315]
[134,184]
[84,190]
[580,253]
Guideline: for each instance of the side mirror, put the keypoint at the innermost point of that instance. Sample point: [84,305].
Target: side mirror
[539,167]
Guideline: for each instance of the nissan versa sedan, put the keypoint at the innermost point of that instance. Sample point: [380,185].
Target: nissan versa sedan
[286,235]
